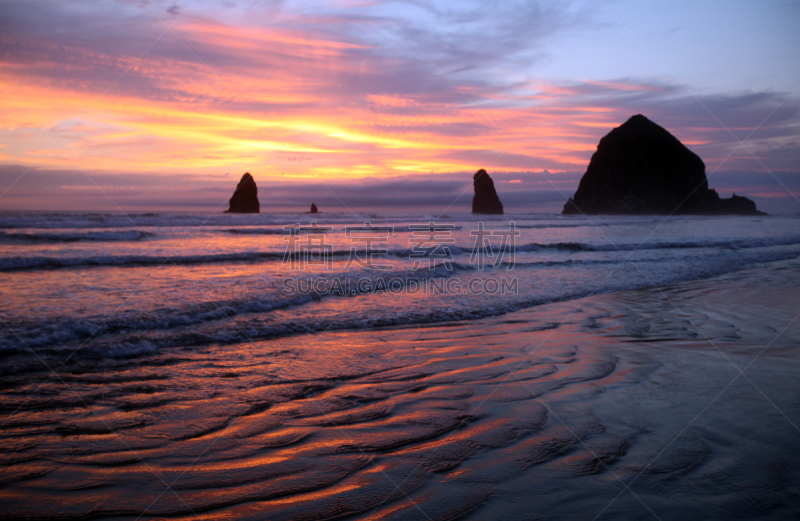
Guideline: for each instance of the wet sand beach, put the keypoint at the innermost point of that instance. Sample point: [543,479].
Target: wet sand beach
[673,402]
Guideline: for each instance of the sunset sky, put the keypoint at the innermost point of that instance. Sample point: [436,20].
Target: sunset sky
[163,105]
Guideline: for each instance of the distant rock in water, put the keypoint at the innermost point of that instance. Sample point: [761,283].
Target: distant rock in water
[313,208]
[640,168]
[245,197]
[485,200]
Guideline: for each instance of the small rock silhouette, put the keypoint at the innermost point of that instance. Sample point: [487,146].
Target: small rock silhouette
[485,200]
[245,197]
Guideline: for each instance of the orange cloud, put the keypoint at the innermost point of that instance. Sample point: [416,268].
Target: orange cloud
[211,98]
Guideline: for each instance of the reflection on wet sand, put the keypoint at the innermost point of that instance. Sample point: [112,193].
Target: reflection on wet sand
[549,412]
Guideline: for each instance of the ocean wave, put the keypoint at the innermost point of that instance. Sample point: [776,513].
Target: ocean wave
[22,335]
[92,236]
[41,262]
[733,244]
[230,322]
[201,220]
[36,262]
[133,338]
[323,228]
[254,231]
[144,342]
[251,329]
[577,247]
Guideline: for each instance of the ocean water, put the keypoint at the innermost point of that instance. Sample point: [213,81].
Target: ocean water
[295,366]
[107,286]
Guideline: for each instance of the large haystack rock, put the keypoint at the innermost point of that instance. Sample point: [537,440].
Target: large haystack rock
[640,168]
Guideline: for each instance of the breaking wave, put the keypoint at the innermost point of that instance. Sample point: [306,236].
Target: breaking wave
[104,236]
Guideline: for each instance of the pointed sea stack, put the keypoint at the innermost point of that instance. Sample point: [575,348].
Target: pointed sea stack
[485,200]
[313,208]
[245,197]
[640,168]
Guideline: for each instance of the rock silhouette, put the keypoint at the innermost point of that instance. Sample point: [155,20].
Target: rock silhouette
[245,197]
[313,208]
[485,200]
[640,168]
[734,205]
